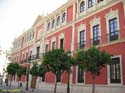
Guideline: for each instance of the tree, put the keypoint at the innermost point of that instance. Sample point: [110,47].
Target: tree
[11,70]
[34,71]
[55,62]
[20,71]
[93,61]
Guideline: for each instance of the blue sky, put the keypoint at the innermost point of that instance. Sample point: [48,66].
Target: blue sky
[19,15]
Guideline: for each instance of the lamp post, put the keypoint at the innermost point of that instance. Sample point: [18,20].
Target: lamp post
[27,78]
[68,83]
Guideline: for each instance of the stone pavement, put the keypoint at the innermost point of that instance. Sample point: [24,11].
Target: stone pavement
[14,89]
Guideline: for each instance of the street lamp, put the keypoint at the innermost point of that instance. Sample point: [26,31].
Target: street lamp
[27,78]
[68,83]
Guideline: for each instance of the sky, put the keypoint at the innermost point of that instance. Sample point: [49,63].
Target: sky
[17,16]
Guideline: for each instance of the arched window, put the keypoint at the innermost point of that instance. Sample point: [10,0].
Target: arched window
[58,20]
[91,3]
[48,26]
[82,6]
[64,17]
[53,23]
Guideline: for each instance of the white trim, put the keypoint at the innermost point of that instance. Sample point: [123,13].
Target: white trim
[81,28]
[110,15]
[61,36]
[53,39]
[65,21]
[94,22]
[108,71]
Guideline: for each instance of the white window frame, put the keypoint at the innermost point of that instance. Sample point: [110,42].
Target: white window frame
[110,15]
[59,21]
[94,22]
[108,71]
[61,36]
[80,7]
[81,28]
[53,40]
[63,23]
[46,43]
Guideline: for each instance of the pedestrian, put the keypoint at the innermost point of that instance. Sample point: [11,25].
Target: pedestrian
[6,81]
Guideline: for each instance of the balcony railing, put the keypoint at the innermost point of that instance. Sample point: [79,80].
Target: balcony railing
[31,58]
[96,41]
[112,36]
[81,45]
[36,56]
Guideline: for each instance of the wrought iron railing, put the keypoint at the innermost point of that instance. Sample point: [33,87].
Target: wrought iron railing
[115,35]
[96,40]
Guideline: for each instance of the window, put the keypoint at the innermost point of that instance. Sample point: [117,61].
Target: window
[37,51]
[113,29]
[82,6]
[48,26]
[58,77]
[82,39]
[115,73]
[61,43]
[53,23]
[23,58]
[26,56]
[58,20]
[100,1]
[53,45]
[96,35]
[30,55]
[43,77]
[46,49]
[80,75]
[91,3]
[64,17]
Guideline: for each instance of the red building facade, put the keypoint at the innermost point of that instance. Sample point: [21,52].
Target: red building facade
[75,25]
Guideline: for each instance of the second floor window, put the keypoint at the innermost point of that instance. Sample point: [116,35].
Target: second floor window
[82,6]
[64,17]
[82,39]
[91,3]
[96,34]
[46,48]
[37,51]
[113,29]
[53,45]
[61,43]
[26,56]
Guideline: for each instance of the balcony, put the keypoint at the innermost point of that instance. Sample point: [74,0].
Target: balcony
[35,57]
[112,36]
[81,45]
[96,40]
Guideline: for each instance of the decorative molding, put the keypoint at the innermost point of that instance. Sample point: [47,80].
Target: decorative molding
[81,28]
[93,22]
[111,14]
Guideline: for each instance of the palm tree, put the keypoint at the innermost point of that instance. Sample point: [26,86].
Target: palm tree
[93,61]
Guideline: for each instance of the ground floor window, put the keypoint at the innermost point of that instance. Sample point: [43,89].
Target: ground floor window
[80,78]
[115,72]
[58,77]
